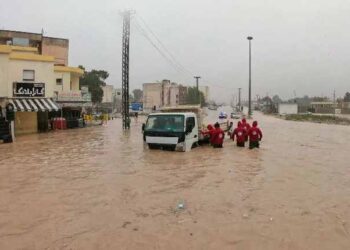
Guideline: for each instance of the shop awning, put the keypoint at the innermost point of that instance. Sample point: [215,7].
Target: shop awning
[33,104]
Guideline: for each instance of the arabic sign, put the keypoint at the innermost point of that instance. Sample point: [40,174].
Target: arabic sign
[26,89]
[73,96]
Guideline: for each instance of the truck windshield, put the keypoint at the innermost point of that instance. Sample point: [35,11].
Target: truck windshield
[166,123]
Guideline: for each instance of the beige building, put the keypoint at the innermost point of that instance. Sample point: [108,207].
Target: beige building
[162,94]
[50,46]
[108,94]
[30,78]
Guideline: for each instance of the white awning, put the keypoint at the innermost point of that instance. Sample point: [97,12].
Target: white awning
[33,104]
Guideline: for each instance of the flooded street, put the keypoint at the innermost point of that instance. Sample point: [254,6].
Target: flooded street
[97,188]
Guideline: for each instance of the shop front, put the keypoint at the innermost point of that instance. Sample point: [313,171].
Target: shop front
[32,110]
[74,105]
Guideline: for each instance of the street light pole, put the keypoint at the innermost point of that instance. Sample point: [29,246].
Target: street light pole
[198,95]
[250,38]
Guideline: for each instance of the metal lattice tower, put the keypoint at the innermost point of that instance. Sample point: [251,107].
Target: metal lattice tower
[125,70]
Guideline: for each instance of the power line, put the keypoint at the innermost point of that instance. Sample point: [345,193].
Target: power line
[164,52]
[144,33]
[163,46]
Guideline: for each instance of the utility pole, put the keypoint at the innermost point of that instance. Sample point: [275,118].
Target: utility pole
[198,95]
[125,69]
[250,38]
[239,98]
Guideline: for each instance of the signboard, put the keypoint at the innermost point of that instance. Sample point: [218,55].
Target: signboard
[74,96]
[84,89]
[27,89]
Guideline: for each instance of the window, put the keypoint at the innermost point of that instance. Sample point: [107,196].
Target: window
[59,81]
[190,121]
[165,123]
[28,75]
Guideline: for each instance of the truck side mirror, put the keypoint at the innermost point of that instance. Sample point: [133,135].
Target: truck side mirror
[143,126]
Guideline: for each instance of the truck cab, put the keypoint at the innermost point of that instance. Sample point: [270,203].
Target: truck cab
[174,131]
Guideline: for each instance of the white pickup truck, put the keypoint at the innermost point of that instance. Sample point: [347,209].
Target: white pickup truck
[175,128]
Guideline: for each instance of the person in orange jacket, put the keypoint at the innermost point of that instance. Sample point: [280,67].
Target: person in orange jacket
[240,134]
[255,136]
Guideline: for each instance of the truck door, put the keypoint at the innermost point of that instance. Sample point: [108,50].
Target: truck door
[191,137]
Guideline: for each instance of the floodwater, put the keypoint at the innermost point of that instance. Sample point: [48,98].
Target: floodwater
[97,188]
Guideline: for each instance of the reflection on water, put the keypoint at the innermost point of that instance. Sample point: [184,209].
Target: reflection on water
[99,188]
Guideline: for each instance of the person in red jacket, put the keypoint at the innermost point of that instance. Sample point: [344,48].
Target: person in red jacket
[218,136]
[255,136]
[208,134]
[246,126]
[240,134]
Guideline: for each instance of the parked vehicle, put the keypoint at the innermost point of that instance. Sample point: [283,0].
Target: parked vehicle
[234,115]
[223,115]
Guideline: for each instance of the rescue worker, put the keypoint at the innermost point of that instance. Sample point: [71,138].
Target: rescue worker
[230,129]
[255,136]
[218,136]
[208,134]
[240,134]
[246,126]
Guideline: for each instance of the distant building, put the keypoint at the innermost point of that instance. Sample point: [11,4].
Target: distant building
[163,94]
[287,108]
[323,107]
[108,92]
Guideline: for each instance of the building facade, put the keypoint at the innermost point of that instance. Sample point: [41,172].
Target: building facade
[31,79]
[162,94]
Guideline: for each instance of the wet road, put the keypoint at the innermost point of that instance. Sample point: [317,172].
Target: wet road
[97,188]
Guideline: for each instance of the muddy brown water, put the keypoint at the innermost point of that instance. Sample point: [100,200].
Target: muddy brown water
[98,188]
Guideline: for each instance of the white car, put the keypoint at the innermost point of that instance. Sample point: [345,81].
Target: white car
[235,116]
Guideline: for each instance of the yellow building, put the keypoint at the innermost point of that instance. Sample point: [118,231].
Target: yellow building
[29,80]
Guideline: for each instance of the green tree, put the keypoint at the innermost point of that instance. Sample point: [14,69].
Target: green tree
[94,80]
[276,99]
[193,95]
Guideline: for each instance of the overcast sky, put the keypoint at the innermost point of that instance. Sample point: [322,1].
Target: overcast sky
[299,45]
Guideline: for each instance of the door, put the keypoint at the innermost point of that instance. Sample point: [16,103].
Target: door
[43,118]
[191,137]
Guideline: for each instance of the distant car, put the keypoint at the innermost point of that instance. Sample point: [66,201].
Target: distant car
[222,115]
[235,116]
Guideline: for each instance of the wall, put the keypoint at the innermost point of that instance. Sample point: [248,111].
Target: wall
[43,73]
[56,47]
[75,82]
[174,96]
[26,123]
[151,95]
[284,108]
[107,93]
[4,64]
[65,76]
